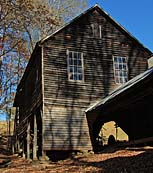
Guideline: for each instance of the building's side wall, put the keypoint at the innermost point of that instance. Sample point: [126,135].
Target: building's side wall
[30,93]
[65,128]
[65,101]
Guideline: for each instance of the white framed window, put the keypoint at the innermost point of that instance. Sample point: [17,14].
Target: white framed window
[120,69]
[75,65]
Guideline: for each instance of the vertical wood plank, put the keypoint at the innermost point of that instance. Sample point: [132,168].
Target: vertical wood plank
[28,141]
[23,155]
[42,88]
[35,139]
[17,145]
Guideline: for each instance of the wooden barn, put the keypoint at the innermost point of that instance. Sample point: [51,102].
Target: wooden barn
[68,71]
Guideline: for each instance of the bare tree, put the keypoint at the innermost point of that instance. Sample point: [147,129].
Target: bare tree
[22,24]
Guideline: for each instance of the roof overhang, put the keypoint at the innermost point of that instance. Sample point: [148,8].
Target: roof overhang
[128,85]
[103,12]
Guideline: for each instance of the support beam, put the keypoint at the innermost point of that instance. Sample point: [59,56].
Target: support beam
[28,141]
[35,139]
[44,156]
[17,144]
[13,144]
[23,155]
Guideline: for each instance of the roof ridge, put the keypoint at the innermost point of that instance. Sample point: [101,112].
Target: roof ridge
[107,15]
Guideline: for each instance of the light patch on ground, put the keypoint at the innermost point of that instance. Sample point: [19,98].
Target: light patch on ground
[109,129]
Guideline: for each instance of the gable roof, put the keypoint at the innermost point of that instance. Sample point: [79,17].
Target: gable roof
[98,8]
[121,89]
[95,7]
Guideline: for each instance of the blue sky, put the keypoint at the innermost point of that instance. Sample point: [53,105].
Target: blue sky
[136,16]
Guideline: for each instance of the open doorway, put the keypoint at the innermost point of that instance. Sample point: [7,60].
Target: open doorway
[112,130]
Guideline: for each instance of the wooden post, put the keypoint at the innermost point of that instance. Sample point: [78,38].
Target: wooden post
[116,126]
[23,155]
[13,144]
[28,142]
[17,146]
[13,148]
[35,139]
[44,156]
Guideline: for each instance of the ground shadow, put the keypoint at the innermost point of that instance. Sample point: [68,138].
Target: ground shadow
[5,157]
[137,163]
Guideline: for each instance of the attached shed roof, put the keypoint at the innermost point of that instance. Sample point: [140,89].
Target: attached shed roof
[121,89]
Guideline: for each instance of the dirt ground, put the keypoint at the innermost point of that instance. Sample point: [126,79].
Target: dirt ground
[110,160]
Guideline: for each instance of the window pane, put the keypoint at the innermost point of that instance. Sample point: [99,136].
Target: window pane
[120,66]
[115,59]
[116,66]
[71,69]
[124,66]
[75,69]
[79,76]
[79,56]
[79,62]
[75,76]
[120,60]
[70,61]
[79,70]
[75,55]
[120,70]
[125,73]
[124,60]
[75,66]
[120,73]
[70,54]
[75,61]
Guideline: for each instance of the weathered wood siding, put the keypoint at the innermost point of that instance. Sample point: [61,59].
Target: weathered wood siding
[64,122]
[29,90]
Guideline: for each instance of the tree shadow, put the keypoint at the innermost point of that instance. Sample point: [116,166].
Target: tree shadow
[126,164]
[66,124]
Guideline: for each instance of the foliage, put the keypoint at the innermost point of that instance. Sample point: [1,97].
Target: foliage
[22,24]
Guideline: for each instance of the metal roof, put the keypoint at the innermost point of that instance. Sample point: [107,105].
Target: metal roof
[121,89]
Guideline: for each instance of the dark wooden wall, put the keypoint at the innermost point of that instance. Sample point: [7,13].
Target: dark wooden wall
[29,92]
[131,110]
[64,121]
